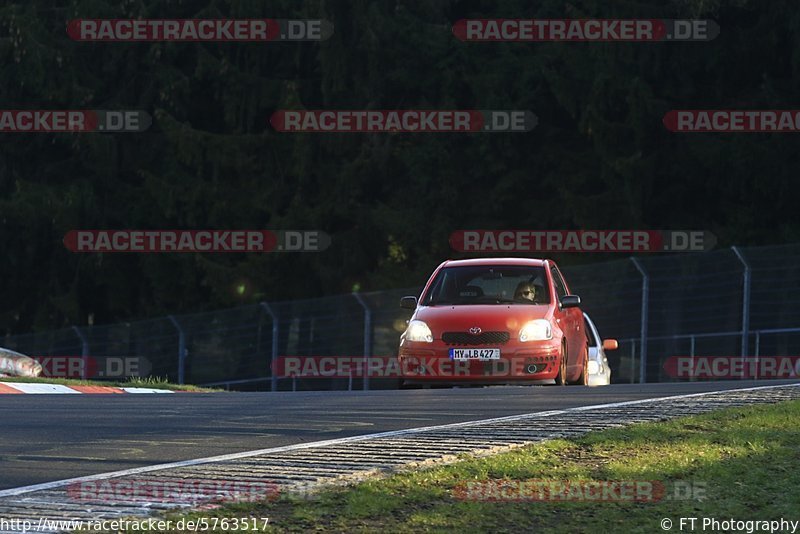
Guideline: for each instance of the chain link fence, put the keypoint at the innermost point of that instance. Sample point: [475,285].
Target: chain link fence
[681,305]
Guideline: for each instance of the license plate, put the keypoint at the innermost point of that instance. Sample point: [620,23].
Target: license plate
[474,354]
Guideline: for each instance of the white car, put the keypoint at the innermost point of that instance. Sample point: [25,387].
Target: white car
[599,370]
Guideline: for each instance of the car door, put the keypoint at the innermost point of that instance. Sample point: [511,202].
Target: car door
[571,321]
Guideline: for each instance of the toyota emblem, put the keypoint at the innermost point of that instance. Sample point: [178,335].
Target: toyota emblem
[475,330]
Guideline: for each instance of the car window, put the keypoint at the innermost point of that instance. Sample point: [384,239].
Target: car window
[443,286]
[501,284]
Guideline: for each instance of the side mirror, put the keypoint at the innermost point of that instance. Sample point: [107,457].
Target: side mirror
[610,344]
[570,301]
[408,303]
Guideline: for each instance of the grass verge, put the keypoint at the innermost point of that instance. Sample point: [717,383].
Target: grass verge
[736,463]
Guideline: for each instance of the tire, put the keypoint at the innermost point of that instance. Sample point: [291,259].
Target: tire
[583,380]
[561,377]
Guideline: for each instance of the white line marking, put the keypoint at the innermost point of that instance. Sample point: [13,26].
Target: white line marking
[145,390]
[338,441]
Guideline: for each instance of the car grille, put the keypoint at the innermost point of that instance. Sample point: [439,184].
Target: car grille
[484,338]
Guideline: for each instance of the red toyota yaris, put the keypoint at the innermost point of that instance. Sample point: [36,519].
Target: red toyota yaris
[494,320]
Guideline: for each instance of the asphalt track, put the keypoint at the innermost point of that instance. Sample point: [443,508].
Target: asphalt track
[53,437]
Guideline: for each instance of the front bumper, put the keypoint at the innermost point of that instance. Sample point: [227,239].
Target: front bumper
[430,362]
[599,379]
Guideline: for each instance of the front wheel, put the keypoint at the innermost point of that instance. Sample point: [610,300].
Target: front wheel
[561,378]
[583,379]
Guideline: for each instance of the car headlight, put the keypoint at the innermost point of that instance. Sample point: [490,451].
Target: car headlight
[594,368]
[419,331]
[537,330]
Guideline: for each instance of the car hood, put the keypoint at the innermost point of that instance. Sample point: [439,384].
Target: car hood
[487,317]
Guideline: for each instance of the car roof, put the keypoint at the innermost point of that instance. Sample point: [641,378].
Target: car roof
[528,262]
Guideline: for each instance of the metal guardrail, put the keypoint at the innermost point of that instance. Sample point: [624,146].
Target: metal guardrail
[228,383]
[657,298]
[694,337]
[627,341]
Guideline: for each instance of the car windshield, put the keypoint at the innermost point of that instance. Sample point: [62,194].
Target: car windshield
[488,284]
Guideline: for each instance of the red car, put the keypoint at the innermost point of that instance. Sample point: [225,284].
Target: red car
[494,320]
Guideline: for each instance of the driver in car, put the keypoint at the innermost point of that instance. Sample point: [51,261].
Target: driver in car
[525,292]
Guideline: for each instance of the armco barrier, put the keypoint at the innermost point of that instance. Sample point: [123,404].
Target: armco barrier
[698,303]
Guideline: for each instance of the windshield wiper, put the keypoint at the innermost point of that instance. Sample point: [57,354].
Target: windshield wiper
[494,300]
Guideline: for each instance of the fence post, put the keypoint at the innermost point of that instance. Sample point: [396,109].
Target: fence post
[84,352]
[758,349]
[633,358]
[645,310]
[745,302]
[274,358]
[181,349]
[367,337]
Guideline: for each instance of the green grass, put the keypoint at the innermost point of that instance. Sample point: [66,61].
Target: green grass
[148,382]
[742,463]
